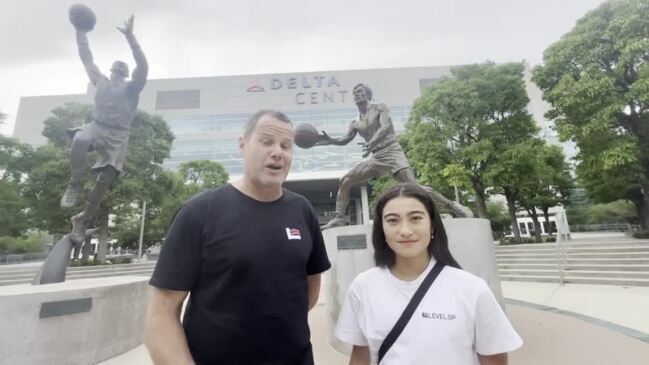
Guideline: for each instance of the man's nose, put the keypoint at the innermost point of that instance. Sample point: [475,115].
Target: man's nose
[276,151]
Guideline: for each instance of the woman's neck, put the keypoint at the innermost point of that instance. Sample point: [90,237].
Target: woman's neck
[409,269]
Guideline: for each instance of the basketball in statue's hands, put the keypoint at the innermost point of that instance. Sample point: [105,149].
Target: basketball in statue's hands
[82,17]
[306,135]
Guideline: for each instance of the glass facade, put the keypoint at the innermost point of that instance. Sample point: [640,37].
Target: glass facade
[215,137]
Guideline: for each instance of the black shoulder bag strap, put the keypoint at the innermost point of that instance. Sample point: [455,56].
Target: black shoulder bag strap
[410,309]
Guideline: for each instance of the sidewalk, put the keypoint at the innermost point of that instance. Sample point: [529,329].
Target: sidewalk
[561,325]
[618,305]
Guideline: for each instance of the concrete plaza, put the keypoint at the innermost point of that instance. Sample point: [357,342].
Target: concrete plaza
[568,324]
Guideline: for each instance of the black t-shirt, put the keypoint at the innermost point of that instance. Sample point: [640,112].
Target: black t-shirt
[245,263]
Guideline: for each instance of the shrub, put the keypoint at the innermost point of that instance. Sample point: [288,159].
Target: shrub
[641,234]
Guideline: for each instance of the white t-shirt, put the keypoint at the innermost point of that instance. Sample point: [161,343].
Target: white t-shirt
[457,318]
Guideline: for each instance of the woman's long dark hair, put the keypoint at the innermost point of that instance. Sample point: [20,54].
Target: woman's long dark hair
[438,247]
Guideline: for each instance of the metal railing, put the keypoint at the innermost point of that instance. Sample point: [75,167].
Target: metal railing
[605,227]
[20,258]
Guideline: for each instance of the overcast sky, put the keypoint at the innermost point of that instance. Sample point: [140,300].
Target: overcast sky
[209,38]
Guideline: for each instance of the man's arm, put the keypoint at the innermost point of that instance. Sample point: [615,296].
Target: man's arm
[313,286]
[86,58]
[325,139]
[360,355]
[142,67]
[497,359]
[164,336]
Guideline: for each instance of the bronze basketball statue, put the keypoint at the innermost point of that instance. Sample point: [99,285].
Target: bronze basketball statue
[385,156]
[116,100]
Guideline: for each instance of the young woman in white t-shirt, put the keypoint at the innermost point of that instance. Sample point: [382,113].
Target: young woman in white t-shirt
[458,322]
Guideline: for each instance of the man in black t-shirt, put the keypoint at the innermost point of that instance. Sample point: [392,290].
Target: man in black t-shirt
[251,255]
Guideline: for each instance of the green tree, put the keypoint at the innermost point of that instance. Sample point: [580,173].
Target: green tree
[498,217]
[461,124]
[192,177]
[377,186]
[144,179]
[13,219]
[597,80]
[511,173]
[201,175]
[547,186]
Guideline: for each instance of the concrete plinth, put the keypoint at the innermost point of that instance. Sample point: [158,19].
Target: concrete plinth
[470,242]
[81,321]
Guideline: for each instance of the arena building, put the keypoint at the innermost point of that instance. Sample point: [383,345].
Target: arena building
[207,116]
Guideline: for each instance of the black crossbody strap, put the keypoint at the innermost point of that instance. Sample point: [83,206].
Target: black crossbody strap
[410,309]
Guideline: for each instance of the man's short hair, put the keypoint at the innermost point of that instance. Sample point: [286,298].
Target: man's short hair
[368,90]
[252,122]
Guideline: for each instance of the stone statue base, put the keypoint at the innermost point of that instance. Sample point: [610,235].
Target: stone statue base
[82,321]
[351,252]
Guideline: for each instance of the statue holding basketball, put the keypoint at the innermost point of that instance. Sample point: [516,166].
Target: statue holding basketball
[116,100]
[374,124]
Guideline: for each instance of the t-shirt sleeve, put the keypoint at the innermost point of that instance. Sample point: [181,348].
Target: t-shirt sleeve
[318,261]
[179,262]
[494,333]
[348,327]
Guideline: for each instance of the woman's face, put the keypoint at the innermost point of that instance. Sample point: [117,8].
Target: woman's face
[407,227]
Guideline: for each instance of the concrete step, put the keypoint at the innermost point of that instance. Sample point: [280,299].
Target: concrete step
[576,244]
[4,281]
[606,274]
[35,269]
[528,272]
[595,267]
[607,281]
[28,273]
[571,261]
[576,250]
[596,255]
[580,280]
[534,266]
[533,278]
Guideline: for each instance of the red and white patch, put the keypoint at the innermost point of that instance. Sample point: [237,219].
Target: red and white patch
[293,234]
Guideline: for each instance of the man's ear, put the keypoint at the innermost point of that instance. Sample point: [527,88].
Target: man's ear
[242,144]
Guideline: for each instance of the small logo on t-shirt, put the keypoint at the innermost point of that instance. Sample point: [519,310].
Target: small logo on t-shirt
[443,316]
[293,234]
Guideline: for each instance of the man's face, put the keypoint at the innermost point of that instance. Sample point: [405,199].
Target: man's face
[360,94]
[118,71]
[268,152]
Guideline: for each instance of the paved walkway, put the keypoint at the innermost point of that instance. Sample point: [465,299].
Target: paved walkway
[561,325]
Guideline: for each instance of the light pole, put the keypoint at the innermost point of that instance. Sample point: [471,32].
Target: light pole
[139,249]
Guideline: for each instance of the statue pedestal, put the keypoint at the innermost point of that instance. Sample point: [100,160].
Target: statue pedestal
[82,321]
[350,252]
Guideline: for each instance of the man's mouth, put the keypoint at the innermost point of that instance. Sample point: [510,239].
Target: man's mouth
[275,167]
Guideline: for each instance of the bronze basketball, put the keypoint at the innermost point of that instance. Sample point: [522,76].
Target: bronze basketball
[82,17]
[306,135]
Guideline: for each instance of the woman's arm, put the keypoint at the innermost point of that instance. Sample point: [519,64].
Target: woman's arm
[497,359]
[360,356]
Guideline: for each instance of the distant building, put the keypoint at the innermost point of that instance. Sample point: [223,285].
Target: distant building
[207,115]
